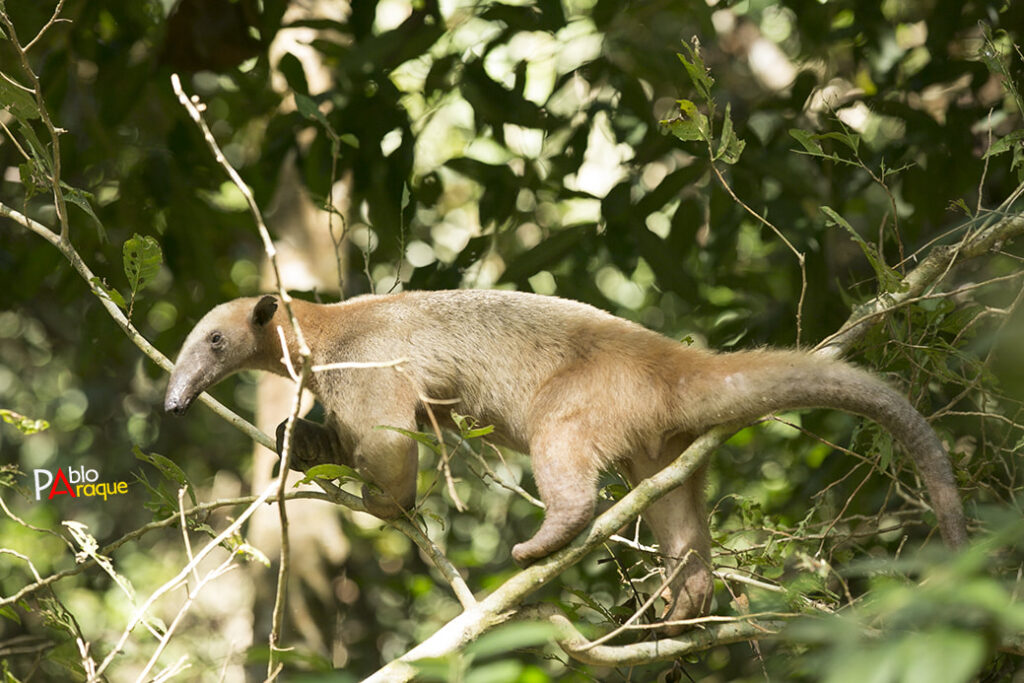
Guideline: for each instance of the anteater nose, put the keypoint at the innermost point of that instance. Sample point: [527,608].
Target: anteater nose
[175,405]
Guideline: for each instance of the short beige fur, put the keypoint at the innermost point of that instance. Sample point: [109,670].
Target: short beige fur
[578,389]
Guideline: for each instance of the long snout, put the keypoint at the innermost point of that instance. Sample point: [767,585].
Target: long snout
[178,399]
[183,387]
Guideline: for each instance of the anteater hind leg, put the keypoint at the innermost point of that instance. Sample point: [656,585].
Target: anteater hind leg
[566,474]
[679,523]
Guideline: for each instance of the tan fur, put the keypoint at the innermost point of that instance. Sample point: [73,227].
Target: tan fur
[578,389]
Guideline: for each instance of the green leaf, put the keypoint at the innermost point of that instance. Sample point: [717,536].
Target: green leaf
[1005,143]
[809,141]
[83,200]
[888,279]
[960,204]
[697,71]
[16,100]
[9,612]
[38,151]
[428,440]
[730,147]
[851,140]
[330,472]
[109,292]
[467,427]
[168,469]
[25,425]
[33,181]
[249,552]
[308,107]
[350,140]
[509,637]
[690,124]
[503,670]
[950,656]
[142,259]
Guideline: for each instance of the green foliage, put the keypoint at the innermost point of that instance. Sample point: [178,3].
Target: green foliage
[941,627]
[691,125]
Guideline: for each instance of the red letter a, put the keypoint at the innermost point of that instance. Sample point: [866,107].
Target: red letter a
[61,478]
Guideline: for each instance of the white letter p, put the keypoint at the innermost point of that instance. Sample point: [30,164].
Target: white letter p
[41,487]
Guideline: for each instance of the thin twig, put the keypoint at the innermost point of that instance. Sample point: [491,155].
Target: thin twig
[46,27]
[282,576]
[37,92]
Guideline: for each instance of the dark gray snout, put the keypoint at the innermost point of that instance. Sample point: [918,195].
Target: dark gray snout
[183,387]
[177,400]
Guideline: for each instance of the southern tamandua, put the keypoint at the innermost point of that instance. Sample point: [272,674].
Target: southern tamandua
[578,389]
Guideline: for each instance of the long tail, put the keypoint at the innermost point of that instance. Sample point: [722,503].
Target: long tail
[748,385]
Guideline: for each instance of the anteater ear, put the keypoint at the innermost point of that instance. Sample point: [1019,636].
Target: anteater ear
[264,311]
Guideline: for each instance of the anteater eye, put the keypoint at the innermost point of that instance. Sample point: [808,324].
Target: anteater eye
[216,338]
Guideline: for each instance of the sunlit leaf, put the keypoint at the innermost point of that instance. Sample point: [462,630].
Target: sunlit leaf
[690,124]
[428,440]
[330,472]
[25,425]
[467,427]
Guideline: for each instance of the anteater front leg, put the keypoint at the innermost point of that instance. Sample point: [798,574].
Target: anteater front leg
[389,461]
[312,444]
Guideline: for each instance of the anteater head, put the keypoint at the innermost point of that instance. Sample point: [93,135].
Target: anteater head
[229,338]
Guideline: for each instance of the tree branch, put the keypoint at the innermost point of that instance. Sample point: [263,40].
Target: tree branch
[938,262]
[497,607]
[574,644]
